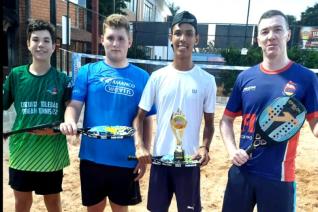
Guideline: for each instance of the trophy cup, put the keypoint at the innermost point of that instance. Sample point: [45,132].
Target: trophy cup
[178,124]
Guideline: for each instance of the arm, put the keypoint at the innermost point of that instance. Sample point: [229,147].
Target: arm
[71,116]
[208,131]
[147,132]
[142,132]
[142,137]
[237,156]
[313,123]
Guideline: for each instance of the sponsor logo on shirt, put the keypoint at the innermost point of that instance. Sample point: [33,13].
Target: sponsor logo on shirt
[118,86]
[41,107]
[289,88]
[52,90]
[249,88]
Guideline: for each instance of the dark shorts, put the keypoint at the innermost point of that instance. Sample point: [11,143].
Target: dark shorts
[100,181]
[42,183]
[245,190]
[184,182]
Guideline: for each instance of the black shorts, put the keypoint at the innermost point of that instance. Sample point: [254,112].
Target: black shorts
[165,181]
[117,183]
[42,183]
[245,190]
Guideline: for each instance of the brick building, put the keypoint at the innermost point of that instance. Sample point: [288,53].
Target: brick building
[85,27]
[17,14]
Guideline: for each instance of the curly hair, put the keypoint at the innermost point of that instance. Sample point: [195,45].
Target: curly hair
[37,25]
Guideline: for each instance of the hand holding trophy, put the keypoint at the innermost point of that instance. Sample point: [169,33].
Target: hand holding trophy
[178,124]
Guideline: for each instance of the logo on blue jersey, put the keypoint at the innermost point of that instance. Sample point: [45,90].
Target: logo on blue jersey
[289,88]
[249,88]
[118,86]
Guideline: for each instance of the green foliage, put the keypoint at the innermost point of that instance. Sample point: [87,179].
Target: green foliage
[106,7]
[210,48]
[228,78]
[309,17]
[291,20]
[137,52]
[173,8]
[306,57]
[233,56]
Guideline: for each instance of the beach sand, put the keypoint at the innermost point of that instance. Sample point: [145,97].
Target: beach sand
[213,177]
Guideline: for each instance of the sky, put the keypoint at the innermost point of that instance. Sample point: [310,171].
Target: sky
[235,11]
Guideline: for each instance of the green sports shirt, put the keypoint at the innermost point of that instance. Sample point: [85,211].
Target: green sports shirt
[37,100]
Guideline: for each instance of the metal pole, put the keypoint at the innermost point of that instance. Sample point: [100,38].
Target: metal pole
[248,13]
[135,31]
[137,5]
[114,6]
[67,35]
[53,22]
[61,59]
[95,25]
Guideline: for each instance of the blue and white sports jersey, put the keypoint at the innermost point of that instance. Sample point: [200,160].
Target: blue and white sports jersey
[111,97]
[254,89]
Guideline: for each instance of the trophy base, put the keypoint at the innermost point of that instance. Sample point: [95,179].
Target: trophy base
[179,155]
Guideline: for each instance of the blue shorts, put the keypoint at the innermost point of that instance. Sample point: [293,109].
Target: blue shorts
[100,181]
[184,182]
[244,191]
[43,183]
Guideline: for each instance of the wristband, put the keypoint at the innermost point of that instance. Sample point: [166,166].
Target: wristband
[206,148]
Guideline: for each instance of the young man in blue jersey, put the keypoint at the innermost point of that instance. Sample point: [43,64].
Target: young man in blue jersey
[104,167]
[185,86]
[267,177]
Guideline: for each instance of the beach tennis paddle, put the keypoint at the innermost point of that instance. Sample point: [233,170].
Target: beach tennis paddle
[108,132]
[100,132]
[168,160]
[45,129]
[278,122]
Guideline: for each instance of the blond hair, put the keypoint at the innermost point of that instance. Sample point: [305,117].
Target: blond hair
[116,21]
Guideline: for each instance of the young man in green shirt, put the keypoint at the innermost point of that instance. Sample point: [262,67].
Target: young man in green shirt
[38,93]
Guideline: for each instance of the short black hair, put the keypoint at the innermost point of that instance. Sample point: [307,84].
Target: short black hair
[271,13]
[185,17]
[38,25]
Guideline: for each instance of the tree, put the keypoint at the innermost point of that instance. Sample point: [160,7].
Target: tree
[106,7]
[309,17]
[173,8]
[234,57]
[209,49]
[306,57]
[291,20]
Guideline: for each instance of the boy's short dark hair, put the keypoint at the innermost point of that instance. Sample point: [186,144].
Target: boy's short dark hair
[38,25]
[271,13]
[185,17]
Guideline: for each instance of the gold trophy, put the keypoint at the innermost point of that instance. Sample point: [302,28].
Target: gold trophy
[178,124]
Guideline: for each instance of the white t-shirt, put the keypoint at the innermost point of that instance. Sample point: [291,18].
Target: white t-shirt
[193,91]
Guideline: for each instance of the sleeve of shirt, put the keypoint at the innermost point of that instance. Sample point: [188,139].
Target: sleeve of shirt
[8,96]
[79,91]
[68,88]
[210,98]
[148,95]
[311,98]
[234,105]
[152,111]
